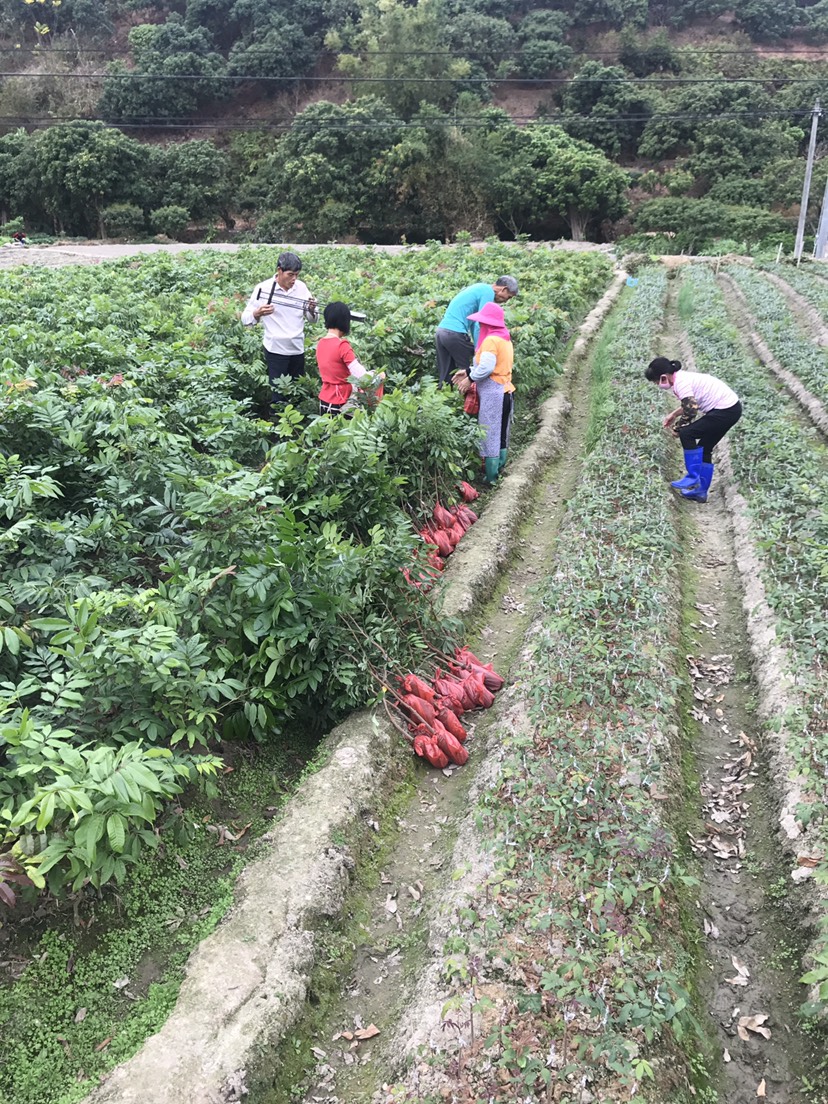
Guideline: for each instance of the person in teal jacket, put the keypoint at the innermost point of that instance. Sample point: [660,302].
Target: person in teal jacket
[456,336]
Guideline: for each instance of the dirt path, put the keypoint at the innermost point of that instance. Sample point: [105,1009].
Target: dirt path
[748,919]
[391,934]
[55,256]
[751,950]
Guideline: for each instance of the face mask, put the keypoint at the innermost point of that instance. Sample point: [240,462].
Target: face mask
[665,385]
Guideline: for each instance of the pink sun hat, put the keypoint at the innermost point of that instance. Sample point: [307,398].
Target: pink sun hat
[491,314]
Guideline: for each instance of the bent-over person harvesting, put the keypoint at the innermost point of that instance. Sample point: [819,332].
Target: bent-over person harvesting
[699,394]
[457,335]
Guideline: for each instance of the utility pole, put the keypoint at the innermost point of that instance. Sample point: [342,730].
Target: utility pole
[806,187]
[822,232]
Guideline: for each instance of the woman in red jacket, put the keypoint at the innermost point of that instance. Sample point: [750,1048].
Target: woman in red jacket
[337,361]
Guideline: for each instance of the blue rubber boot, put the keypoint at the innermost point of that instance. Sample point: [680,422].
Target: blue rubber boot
[492,468]
[699,494]
[692,461]
[501,460]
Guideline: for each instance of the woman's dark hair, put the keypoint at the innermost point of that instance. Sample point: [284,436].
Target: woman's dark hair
[338,317]
[659,367]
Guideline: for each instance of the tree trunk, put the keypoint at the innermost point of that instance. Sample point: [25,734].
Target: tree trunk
[577,224]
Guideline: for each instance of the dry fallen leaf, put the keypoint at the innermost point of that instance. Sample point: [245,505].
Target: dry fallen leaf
[710,929]
[104,1044]
[367,1032]
[415,893]
[390,905]
[752,1023]
[80,1015]
[760,1091]
[742,973]
[726,1055]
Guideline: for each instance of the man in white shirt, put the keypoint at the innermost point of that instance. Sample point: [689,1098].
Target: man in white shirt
[282,305]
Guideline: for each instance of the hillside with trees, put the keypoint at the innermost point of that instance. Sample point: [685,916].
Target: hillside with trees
[379,120]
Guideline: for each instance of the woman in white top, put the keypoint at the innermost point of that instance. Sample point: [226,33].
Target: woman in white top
[719,407]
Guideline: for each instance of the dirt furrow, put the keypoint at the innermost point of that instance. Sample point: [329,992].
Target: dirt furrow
[750,914]
[746,909]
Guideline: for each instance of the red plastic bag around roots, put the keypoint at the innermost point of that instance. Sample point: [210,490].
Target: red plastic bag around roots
[413,684]
[427,748]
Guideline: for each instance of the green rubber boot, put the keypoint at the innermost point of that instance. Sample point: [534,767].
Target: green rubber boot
[504,453]
[492,468]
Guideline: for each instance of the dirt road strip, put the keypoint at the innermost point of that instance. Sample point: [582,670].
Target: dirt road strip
[747,917]
[246,984]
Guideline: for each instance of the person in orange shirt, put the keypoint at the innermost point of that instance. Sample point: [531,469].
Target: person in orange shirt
[491,372]
[337,361]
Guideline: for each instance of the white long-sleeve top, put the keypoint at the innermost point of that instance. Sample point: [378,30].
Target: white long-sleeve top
[284,330]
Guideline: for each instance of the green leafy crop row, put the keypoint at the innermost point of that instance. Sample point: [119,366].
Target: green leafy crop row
[177,570]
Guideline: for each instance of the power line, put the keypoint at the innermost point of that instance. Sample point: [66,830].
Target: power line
[649,81]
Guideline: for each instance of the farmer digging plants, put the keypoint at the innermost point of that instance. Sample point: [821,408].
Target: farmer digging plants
[337,362]
[282,305]
[491,374]
[720,411]
[457,334]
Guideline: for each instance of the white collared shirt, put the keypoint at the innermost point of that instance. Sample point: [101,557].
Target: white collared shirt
[284,330]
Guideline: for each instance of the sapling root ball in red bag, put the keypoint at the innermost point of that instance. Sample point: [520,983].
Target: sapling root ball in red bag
[450,746]
[450,722]
[413,684]
[442,517]
[468,493]
[436,561]
[443,542]
[456,533]
[435,754]
[416,707]
[466,516]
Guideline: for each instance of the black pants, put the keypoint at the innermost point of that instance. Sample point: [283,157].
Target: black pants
[454,352]
[281,364]
[708,430]
[331,408]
